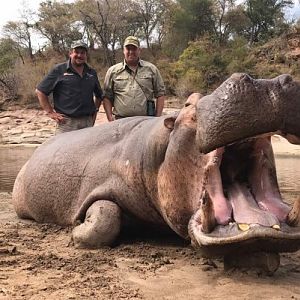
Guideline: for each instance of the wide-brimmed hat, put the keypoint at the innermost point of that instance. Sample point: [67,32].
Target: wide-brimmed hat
[132,40]
[79,44]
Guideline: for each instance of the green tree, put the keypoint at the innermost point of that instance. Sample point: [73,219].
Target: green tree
[238,21]
[57,23]
[8,57]
[201,66]
[190,20]
[109,22]
[222,19]
[194,18]
[265,17]
[21,33]
[150,14]
[8,54]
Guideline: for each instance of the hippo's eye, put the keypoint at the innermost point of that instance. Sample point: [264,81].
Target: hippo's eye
[187,104]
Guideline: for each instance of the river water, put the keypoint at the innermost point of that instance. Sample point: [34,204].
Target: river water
[12,159]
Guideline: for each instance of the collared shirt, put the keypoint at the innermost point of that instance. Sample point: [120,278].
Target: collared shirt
[128,90]
[73,95]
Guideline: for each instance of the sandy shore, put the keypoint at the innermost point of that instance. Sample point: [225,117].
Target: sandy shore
[282,147]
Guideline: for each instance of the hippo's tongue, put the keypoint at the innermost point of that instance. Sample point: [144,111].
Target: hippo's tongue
[245,208]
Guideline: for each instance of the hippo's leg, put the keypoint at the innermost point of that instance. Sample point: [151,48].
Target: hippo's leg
[101,226]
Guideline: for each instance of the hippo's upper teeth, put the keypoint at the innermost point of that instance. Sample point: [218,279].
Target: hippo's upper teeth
[243,227]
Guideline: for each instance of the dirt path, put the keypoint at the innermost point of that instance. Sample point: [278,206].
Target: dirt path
[39,262]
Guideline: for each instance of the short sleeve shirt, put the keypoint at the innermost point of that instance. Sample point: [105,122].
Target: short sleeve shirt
[128,91]
[73,95]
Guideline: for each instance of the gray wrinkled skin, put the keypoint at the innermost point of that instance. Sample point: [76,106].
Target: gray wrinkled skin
[154,171]
[243,107]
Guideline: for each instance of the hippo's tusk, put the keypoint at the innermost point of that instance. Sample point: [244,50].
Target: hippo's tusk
[203,219]
[207,214]
[293,218]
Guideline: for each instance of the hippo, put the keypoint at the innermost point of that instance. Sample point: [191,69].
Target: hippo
[206,172]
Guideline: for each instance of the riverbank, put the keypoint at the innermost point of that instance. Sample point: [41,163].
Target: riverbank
[33,126]
[29,126]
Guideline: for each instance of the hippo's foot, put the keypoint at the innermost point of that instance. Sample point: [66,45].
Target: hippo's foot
[267,263]
[101,226]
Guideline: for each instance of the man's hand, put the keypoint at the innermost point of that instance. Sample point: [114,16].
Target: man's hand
[45,104]
[59,118]
[108,109]
[160,102]
[94,117]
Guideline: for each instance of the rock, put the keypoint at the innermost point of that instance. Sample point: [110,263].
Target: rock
[5,120]
[15,131]
[25,126]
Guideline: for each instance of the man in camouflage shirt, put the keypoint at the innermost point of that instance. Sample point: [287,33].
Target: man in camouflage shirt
[129,84]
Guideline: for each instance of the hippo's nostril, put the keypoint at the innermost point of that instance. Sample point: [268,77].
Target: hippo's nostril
[240,77]
[246,78]
[285,79]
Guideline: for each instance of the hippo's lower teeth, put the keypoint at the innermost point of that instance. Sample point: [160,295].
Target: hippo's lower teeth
[276,226]
[244,227]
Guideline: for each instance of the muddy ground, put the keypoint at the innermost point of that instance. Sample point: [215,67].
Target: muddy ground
[39,262]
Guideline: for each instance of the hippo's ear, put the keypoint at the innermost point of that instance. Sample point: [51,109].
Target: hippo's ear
[169,122]
[193,99]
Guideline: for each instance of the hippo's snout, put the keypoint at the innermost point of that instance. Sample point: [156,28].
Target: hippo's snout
[243,107]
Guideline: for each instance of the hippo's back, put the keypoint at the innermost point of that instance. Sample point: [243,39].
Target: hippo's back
[62,172]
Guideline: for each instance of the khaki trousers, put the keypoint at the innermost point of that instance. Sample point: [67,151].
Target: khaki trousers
[71,124]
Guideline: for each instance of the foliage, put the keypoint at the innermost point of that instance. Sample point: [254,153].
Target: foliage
[238,57]
[109,22]
[265,17]
[201,66]
[150,14]
[8,57]
[195,43]
[222,19]
[57,24]
[190,19]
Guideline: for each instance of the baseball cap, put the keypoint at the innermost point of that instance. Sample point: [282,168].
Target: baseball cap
[79,44]
[132,40]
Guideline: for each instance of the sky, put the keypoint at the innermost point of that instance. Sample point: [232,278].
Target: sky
[13,9]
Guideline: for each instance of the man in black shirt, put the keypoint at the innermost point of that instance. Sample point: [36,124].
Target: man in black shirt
[76,90]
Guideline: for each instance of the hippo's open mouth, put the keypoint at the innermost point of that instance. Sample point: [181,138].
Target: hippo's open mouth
[241,206]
